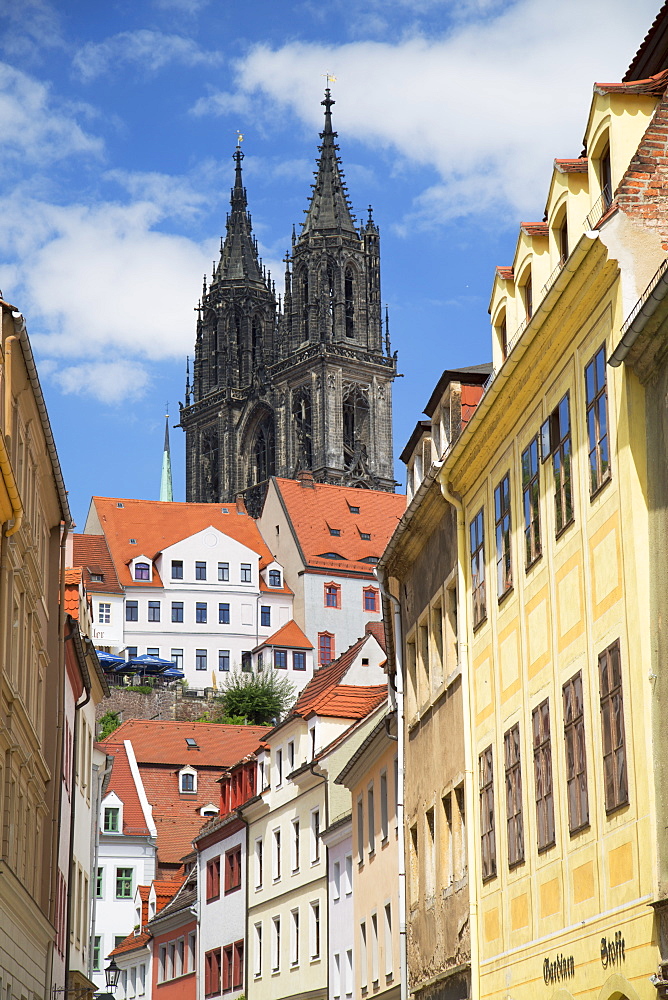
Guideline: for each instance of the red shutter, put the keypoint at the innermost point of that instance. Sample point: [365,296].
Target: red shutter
[238,965]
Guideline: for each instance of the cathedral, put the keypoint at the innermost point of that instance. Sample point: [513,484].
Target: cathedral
[302,384]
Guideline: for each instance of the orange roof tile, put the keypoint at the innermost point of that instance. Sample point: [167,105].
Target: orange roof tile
[156,524]
[92,552]
[326,695]
[266,589]
[534,228]
[349,701]
[131,943]
[72,601]
[578,166]
[289,634]
[505,273]
[176,815]
[654,85]
[122,782]
[164,742]
[317,509]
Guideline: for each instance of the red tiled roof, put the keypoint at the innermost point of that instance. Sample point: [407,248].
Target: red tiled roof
[349,701]
[175,814]
[164,742]
[266,589]
[131,943]
[92,552]
[534,228]
[122,782]
[289,634]
[578,166]
[317,508]
[654,85]
[73,591]
[653,52]
[325,695]
[156,524]
[377,630]
[505,273]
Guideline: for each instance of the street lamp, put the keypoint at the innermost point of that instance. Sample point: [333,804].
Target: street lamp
[112,974]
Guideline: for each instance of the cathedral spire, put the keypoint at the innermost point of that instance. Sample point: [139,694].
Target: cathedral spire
[166,489]
[238,258]
[328,210]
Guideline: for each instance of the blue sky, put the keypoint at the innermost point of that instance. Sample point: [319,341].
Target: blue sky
[117,126]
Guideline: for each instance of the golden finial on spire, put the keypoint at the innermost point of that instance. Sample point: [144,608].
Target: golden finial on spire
[330,78]
[240,138]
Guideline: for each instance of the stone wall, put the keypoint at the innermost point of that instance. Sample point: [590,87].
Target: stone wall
[161,703]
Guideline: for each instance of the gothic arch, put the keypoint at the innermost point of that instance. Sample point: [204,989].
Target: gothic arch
[210,465]
[304,297]
[257,341]
[356,429]
[302,423]
[258,446]
[350,283]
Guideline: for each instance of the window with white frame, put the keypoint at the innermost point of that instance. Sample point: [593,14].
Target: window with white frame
[295,845]
[388,940]
[349,981]
[374,949]
[188,779]
[315,836]
[104,613]
[276,860]
[360,829]
[257,968]
[276,945]
[348,884]
[371,819]
[279,768]
[364,959]
[294,937]
[336,976]
[314,908]
[259,862]
[336,880]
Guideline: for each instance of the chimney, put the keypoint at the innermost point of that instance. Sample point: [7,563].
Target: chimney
[241,504]
[306,479]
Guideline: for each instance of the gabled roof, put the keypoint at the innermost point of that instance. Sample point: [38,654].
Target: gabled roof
[132,942]
[577,166]
[123,784]
[92,553]
[326,695]
[183,899]
[317,509]
[154,525]
[165,890]
[474,375]
[164,742]
[266,589]
[290,635]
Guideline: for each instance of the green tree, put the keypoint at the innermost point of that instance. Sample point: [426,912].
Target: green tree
[108,722]
[253,699]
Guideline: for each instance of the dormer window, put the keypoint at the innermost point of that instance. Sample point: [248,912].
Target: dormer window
[209,810]
[97,578]
[562,239]
[274,578]
[142,571]
[111,814]
[502,333]
[112,819]
[187,780]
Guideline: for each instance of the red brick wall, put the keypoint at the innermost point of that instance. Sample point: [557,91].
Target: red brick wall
[643,192]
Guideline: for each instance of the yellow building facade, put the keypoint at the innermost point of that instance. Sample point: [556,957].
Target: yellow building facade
[550,482]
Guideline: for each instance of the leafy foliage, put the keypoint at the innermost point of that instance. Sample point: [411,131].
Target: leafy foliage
[108,723]
[253,699]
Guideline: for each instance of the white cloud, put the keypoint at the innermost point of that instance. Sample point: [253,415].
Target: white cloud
[111,382]
[487,105]
[182,6]
[174,196]
[35,126]
[220,103]
[28,28]
[151,50]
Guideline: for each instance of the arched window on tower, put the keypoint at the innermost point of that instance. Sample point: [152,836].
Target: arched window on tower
[349,296]
[263,457]
[331,289]
[209,465]
[303,425]
[304,295]
[239,346]
[256,342]
[356,430]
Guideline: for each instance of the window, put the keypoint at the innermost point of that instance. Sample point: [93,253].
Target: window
[360,830]
[154,611]
[238,965]
[291,754]
[97,948]
[514,817]
[192,952]
[223,659]
[503,337]
[576,759]
[259,863]
[315,836]
[298,660]
[223,614]
[104,614]
[279,767]
[258,951]
[124,883]
[281,659]
[349,973]
[542,768]
[142,571]
[246,661]
[99,884]
[228,958]
[562,239]
[336,881]
[365,536]
[188,781]
[477,530]
[335,531]
[371,820]
[277,856]
[504,569]
[233,869]
[200,613]
[177,611]
[348,883]
[200,659]
[487,833]
[177,658]
[276,945]
[111,819]
[384,823]
[315,930]
[332,595]
[374,949]
[213,879]
[364,960]
[177,569]
[531,502]
[370,599]
[265,616]
[527,295]
[131,611]
[325,648]
[274,578]
[612,725]
[245,572]
[597,421]
[294,937]
[131,651]
[605,177]
[223,572]
[336,976]
[295,845]
[260,662]
[153,651]
[212,969]
[556,441]
[200,571]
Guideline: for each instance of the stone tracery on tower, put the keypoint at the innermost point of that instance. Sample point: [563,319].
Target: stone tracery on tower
[304,386]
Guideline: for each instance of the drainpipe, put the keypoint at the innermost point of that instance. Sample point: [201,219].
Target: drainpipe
[469,789]
[401,839]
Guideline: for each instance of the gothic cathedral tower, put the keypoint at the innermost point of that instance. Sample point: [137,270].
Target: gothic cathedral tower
[303,387]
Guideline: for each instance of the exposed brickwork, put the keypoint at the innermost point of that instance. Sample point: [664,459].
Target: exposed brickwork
[643,192]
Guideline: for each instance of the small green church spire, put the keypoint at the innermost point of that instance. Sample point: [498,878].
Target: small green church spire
[166,490]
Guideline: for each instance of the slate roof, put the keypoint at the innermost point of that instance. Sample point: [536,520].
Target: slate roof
[316,509]
[92,553]
[290,635]
[155,525]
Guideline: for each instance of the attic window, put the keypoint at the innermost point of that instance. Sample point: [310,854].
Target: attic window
[132,541]
[191,743]
[97,577]
[120,505]
[335,531]
[353,510]
[225,510]
[365,536]
[370,559]
[329,555]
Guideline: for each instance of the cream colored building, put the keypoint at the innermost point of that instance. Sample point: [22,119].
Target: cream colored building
[549,480]
[33,506]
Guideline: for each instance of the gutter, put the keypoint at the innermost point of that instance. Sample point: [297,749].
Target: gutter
[467,701]
[641,314]
[401,837]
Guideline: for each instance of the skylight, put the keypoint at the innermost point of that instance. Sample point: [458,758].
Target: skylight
[353,510]
[335,531]
[191,743]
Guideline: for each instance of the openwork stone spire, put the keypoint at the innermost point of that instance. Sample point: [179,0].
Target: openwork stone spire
[329,209]
[239,259]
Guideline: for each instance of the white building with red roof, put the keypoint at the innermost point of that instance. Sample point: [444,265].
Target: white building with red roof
[329,539]
[199,586]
